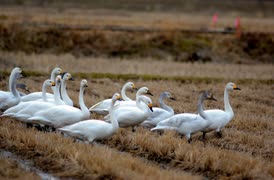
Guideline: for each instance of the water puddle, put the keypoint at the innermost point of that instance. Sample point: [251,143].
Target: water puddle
[27,165]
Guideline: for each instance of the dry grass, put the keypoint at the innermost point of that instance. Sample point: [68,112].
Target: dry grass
[46,62]
[245,151]
[10,170]
[64,158]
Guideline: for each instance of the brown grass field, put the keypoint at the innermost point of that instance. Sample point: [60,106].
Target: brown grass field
[244,152]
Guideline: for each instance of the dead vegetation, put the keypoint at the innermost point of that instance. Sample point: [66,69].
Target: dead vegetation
[245,151]
[162,61]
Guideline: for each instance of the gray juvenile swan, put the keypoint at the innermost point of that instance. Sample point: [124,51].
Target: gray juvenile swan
[187,123]
[161,113]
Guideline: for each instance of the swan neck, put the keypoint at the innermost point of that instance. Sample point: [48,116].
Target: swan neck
[64,93]
[164,106]
[113,120]
[142,106]
[12,84]
[57,97]
[123,94]
[82,103]
[201,108]
[227,105]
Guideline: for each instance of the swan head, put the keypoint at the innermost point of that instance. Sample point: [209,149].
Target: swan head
[16,73]
[49,82]
[168,95]
[144,90]
[231,86]
[67,76]
[208,95]
[57,71]
[58,79]
[147,101]
[116,97]
[131,85]
[84,83]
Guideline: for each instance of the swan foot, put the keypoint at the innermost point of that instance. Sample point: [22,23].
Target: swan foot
[189,140]
[29,125]
[219,134]
[203,137]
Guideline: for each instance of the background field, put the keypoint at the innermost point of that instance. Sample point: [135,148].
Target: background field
[114,42]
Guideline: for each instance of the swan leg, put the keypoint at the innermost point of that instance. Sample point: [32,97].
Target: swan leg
[219,134]
[189,140]
[133,128]
[29,125]
[204,136]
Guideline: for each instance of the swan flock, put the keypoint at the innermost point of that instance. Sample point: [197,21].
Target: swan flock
[56,110]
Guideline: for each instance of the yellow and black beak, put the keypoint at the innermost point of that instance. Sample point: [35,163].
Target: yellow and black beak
[235,87]
[150,107]
[119,98]
[134,87]
[52,83]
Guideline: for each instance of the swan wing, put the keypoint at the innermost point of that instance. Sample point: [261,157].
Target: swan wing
[7,100]
[156,116]
[35,96]
[101,107]
[89,129]
[58,116]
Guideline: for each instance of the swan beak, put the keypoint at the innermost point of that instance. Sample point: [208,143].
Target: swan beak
[149,92]
[85,85]
[150,107]
[235,87]
[52,83]
[61,71]
[173,98]
[71,79]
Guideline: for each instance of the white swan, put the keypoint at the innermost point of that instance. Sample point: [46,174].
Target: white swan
[133,115]
[65,77]
[187,123]
[141,91]
[60,116]
[161,113]
[103,107]
[12,97]
[38,95]
[15,109]
[219,118]
[93,129]
[25,110]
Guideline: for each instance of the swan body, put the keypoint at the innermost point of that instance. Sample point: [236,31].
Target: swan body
[133,115]
[161,113]
[90,130]
[25,110]
[12,97]
[22,105]
[103,107]
[141,91]
[63,115]
[38,95]
[219,118]
[187,123]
